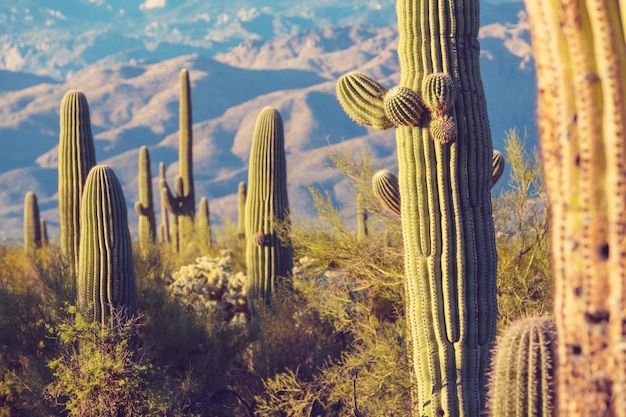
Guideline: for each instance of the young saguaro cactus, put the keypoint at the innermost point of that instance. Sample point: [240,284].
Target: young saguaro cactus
[165,220]
[183,202]
[204,224]
[581,80]
[522,375]
[145,206]
[77,156]
[32,222]
[106,280]
[444,153]
[242,192]
[269,254]
[361,218]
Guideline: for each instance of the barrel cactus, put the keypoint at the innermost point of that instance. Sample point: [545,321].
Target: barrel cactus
[445,165]
[581,80]
[522,375]
[32,222]
[145,206]
[77,156]
[106,280]
[269,259]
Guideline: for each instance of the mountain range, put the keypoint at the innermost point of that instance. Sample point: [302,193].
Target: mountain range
[126,58]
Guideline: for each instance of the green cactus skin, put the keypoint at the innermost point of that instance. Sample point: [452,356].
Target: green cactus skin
[145,206]
[32,222]
[447,227]
[498,163]
[439,92]
[44,232]
[387,191]
[581,110]
[242,191]
[105,281]
[361,219]
[183,204]
[165,221]
[270,265]
[174,235]
[363,100]
[204,224]
[522,374]
[77,156]
[403,106]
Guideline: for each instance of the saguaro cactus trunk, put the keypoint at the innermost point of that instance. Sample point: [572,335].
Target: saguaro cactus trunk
[580,56]
[32,222]
[269,254]
[445,163]
[145,206]
[106,280]
[77,156]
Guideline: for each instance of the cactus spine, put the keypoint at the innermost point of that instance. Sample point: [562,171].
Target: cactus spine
[581,79]
[76,157]
[386,190]
[269,259]
[444,177]
[204,224]
[522,374]
[242,192]
[32,222]
[145,206]
[183,202]
[106,281]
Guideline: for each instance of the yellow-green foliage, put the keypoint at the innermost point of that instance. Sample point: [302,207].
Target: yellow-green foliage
[524,274]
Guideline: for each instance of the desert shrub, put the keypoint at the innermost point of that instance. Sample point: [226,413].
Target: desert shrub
[524,276]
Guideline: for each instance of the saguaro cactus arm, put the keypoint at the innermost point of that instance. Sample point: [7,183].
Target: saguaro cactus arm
[32,222]
[386,190]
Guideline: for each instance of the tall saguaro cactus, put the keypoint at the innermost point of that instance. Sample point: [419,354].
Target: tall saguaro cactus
[269,254]
[445,164]
[145,206]
[183,202]
[32,222]
[77,156]
[106,280]
[581,79]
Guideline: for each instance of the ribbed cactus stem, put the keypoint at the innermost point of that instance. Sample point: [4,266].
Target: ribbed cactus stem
[580,60]
[105,281]
[76,157]
[183,202]
[44,232]
[267,210]
[145,206]
[386,190]
[32,222]
[361,218]
[522,374]
[203,225]
[444,173]
[242,192]
[165,221]
[498,164]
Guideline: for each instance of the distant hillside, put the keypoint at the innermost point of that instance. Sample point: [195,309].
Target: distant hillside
[134,102]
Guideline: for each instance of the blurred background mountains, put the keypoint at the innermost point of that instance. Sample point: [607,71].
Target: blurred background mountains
[126,57]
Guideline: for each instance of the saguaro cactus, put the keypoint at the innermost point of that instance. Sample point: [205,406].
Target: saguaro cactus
[32,222]
[522,375]
[204,224]
[145,206]
[76,157]
[581,79]
[361,218]
[165,222]
[269,254]
[183,202]
[242,192]
[106,281]
[498,163]
[445,164]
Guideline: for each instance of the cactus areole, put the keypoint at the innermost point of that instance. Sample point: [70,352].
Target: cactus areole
[448,232]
